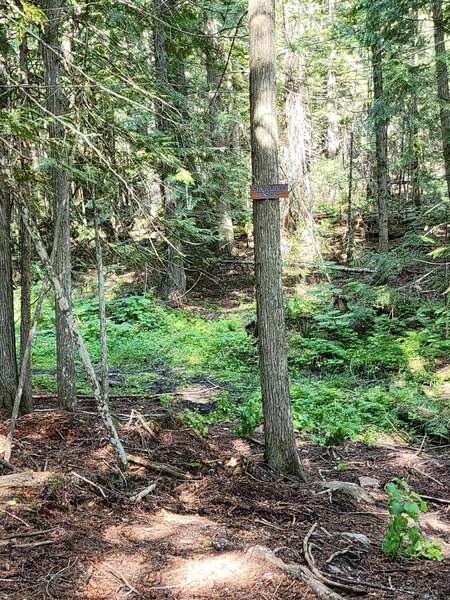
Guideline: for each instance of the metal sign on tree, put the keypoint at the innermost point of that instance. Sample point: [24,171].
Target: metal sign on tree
[275,190]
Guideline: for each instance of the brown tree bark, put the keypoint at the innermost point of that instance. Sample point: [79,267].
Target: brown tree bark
[174,285]
[280,447]
[381,147]
[25,363]
[414,164]
[442,85]
[8,359]
[214,69]
[59,192]
[414,138]
[26,404]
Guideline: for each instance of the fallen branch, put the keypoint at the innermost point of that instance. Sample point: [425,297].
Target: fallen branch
[125,581]
[25,534]
[338,553]
[437,500]
[139,417]
[416,470]
[34,544]
[145,492]
[157,466]
[376,586]
[23,480]
[349,585]
[13,516]
[336,267]
[315,266]
[65,307]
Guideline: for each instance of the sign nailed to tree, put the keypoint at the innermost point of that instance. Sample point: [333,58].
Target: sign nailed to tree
[262,192]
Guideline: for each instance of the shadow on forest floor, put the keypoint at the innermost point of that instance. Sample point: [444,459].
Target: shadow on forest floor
[189,538]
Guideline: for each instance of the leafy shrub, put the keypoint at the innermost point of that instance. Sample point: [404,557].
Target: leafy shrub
[403,537]
[379,354]
[331,412]
[249,415]
[133,310]
[317,353]
[195,420]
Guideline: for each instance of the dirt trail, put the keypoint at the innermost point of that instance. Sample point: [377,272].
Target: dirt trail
[189,538]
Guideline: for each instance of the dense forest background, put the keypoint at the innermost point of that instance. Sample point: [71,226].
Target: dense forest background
[125,136]
[205,394]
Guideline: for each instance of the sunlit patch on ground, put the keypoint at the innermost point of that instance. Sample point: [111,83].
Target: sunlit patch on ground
[196,393]
[180,531]
[242,447]
[100,459]
[403,458]
[227,571]
[436,525]
[115,575]
[416,364]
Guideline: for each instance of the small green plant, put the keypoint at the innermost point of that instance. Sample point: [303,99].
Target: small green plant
[195,420]
[403,537]
[342,466]
[165,399]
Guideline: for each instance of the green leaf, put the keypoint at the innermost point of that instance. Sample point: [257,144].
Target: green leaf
[184,176]
[412,509]
[396,508]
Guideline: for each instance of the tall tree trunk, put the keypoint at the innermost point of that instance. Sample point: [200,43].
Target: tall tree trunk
[299,209]
[381,146]
[8,359]
[174,284]
[280,447]
[333,120]
[442,85]
[25,363]
[414,120]
[414,163]
[59,191]
[214,75]
[350,232]
[26,404]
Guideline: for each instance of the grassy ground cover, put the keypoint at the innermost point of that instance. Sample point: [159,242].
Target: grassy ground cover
[363,360]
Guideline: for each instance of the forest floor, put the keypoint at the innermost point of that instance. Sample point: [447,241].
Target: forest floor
[80,534]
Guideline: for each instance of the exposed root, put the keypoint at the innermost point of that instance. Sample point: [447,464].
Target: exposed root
[298,571]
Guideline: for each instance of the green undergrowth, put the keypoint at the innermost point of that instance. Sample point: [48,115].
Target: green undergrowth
[363,360]
[403,537]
